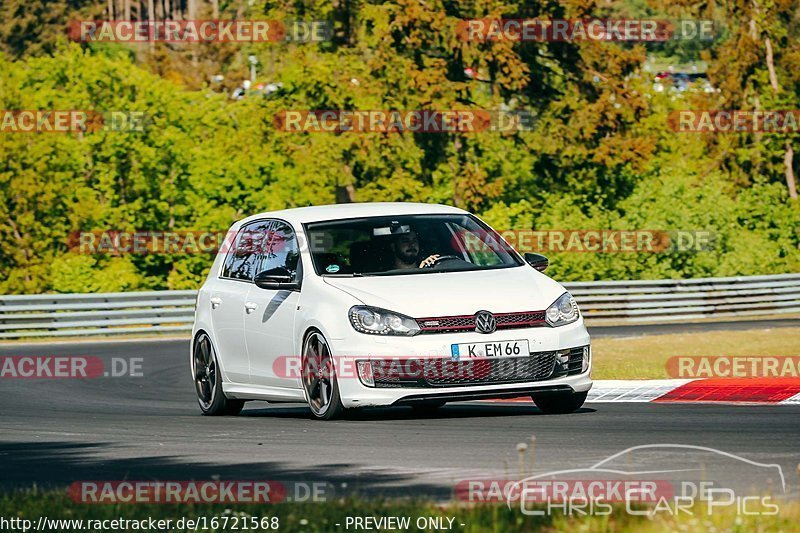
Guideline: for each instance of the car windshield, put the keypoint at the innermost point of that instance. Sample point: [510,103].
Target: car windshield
[409,244]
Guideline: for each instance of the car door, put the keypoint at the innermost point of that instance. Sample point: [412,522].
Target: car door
[269,314]
[228,295]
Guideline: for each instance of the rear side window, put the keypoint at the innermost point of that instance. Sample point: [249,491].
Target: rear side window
[240,263]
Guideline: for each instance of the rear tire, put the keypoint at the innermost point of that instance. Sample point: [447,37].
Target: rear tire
[559,403]
[208,380]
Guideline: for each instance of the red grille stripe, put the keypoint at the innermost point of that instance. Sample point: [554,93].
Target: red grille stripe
[456,322]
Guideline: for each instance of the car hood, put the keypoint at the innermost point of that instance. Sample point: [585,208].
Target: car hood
[455,293]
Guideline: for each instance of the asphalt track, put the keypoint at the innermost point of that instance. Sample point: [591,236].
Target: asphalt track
[58,431]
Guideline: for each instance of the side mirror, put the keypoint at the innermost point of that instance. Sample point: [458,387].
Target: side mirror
[277,279]
[537,261]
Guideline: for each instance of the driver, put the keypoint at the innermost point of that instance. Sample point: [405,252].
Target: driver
[406,252]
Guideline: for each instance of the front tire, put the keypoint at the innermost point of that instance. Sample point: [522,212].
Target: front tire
[208,380]
[319,378]
[559,403]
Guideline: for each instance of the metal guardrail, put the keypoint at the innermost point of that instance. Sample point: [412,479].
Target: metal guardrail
[649,301]
[601,302]
[64,315]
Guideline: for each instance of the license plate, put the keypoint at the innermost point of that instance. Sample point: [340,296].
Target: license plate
[489,349]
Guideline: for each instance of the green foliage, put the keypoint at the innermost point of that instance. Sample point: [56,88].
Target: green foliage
[600,157]
[85,273]
[32,27]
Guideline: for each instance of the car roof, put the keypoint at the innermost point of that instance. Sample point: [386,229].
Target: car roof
[303,215]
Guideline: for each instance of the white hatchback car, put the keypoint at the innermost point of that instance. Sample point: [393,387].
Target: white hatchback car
[379,304]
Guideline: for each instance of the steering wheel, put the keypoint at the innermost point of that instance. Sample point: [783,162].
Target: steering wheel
[442,258]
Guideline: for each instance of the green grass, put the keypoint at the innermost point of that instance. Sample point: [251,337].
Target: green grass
[646,357]
[32,504]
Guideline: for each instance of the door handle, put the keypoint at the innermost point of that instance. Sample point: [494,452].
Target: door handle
[215,301]
[250,307]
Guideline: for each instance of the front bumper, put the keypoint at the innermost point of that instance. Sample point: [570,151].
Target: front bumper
[437,347]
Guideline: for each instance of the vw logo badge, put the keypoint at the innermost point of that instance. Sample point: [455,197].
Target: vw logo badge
[485,322]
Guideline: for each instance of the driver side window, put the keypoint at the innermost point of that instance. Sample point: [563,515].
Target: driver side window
[240,263]
[278,249]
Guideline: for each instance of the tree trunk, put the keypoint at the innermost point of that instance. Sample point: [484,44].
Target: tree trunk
[191,14]
[345,194]
[773,78]
[215,9]
[458,199]
[110,9]
[788,154]
[788,163]
[151,15]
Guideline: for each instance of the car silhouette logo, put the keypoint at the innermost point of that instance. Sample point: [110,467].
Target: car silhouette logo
[485,322]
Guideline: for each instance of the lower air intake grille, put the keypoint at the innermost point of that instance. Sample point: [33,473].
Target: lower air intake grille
[444,372]
[448,373]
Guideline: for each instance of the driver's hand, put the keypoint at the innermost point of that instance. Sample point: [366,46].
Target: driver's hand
[429,261]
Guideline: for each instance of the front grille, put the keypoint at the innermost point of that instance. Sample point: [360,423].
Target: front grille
[520,320]
[441,372]
[448,324]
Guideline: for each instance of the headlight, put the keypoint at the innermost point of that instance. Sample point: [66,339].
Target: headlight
[562,311]
[377,321]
